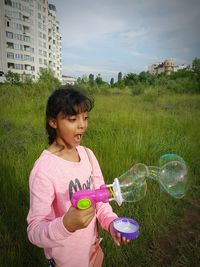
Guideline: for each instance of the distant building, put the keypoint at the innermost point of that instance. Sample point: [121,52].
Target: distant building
[30,38]
[68,80]
[181,67]
[167,67]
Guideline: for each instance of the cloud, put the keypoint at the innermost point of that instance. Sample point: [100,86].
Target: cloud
[132,35]
[110,36]
[86,21]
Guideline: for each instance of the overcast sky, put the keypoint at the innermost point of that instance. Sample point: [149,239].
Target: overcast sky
[109,36]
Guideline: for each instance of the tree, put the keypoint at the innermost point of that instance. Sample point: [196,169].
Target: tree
[146,77]
[98,79]
[84,79]
[119,76]
[196,69]
[91,79]
[79,80]
[112,81]
[196,65]
[46,77]
[131,79]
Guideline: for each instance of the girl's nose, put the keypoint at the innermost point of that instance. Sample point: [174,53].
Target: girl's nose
[82,123]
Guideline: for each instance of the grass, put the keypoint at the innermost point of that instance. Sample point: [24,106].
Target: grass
[123,130]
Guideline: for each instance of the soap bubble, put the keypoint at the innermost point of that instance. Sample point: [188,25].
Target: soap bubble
[171,176]
[133,184]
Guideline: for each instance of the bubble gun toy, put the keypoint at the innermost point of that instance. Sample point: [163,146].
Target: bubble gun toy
[131,186]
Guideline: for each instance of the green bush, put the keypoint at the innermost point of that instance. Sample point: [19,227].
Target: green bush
[47,80]
[137,89]
[12,78]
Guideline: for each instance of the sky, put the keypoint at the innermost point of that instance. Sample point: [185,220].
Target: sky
[111,36]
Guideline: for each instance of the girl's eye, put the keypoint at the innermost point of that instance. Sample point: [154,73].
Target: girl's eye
[86,118]
[72,119]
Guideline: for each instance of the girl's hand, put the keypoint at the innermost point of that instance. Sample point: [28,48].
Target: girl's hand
[117,237]
[76,219]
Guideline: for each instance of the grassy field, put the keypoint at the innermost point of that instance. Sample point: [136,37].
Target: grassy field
[123,130]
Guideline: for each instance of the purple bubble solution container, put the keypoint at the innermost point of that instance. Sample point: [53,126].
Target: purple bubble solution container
[127,227]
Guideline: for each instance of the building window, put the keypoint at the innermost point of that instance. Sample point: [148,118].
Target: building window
[19,66]
[19,56]
[18,36]
[18,47]
[11,65]
[8,2]
[9,35]
[10,45]
[10,55]
[16,5]
[27,58]
[27,39]
[16,26]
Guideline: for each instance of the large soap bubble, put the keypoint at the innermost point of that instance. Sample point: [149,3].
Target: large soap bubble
[171,176]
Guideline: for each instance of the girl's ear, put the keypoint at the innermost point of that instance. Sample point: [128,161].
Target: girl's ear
[53,123]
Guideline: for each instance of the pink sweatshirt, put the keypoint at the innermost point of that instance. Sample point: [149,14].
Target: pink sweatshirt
[52,182]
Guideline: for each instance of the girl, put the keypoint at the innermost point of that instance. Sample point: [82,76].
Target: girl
[66,233]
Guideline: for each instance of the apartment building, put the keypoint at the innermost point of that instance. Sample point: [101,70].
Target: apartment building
[166,66]
[30,39]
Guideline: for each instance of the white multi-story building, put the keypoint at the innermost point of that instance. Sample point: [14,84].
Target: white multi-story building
[68,80]
[30,39]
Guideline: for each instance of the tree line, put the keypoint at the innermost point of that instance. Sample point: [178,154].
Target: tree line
[182,81]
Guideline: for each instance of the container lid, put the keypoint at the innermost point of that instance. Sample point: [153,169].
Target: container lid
[127,227]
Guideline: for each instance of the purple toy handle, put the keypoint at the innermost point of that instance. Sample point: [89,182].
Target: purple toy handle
[83,199]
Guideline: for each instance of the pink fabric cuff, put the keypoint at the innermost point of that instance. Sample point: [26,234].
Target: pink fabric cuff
[59,230]
[109,221]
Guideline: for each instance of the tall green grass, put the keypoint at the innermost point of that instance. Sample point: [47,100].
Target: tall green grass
[123,130]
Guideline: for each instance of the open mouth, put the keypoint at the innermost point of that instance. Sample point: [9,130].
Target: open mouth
[78,137]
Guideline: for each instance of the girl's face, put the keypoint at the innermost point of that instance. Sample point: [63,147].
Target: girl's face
[69,129]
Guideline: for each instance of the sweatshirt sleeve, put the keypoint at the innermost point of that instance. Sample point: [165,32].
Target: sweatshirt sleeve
[44,229]
[105,214]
